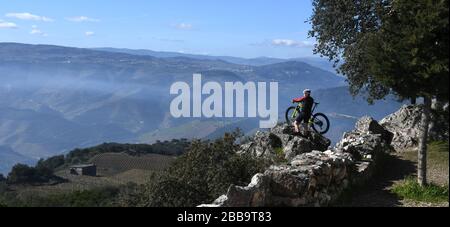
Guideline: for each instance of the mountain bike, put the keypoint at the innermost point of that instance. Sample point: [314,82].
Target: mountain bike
[319,121]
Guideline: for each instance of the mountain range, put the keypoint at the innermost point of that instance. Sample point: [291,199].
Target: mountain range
[314,61]
[54,99]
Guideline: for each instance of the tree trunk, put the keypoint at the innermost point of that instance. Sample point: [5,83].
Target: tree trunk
[422,154]
[413,101]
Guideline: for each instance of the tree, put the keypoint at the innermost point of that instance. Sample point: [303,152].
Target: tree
[397,46]
[23,174]
[52,162]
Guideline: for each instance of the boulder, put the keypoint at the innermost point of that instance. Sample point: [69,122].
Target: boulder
[262,145]
[368,125]
[406,124]
[296,146]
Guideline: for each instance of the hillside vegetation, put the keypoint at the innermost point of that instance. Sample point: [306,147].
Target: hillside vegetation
[204,171]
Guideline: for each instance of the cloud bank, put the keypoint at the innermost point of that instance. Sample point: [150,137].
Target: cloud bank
[291,43]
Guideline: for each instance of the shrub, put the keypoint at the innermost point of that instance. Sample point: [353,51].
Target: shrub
[201,175]
[99,197]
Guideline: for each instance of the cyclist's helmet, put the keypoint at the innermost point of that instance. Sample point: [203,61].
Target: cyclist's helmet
[307,91]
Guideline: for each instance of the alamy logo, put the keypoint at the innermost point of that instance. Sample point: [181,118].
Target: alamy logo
[228,101]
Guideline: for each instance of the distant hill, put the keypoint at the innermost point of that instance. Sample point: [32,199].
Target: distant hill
[314,61]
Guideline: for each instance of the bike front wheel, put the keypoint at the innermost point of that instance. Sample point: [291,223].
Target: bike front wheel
[321,123]
[291,115]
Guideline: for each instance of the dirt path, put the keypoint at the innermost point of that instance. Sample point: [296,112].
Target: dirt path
[397,167]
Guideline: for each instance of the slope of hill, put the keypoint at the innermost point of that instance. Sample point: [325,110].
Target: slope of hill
[8,158]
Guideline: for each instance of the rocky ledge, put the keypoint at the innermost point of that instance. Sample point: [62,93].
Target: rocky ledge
[314,174]
[406,124]
[283,142]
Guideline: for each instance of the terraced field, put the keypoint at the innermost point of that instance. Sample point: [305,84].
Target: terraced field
[110,164]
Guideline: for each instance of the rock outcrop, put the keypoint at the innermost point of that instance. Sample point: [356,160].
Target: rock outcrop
[312,177]
[282,140]
[406,124]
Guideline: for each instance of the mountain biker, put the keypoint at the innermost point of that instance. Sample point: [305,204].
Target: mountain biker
[306,112]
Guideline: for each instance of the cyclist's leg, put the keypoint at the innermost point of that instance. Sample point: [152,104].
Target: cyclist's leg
[306,121]
[298,122]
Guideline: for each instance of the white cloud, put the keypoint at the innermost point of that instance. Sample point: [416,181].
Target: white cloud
[291,43]
[82,19]
[183,26]
[28,16]
[6,24]
[89,33]
[36,31]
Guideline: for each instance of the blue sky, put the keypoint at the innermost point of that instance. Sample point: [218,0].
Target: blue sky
[243,28]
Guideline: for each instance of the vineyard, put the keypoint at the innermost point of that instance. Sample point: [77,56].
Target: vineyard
[110,164]
[114,169]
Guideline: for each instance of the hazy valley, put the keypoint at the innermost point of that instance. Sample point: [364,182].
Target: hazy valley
[54,99]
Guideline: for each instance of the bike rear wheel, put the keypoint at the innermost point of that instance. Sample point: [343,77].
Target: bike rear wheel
[321,123]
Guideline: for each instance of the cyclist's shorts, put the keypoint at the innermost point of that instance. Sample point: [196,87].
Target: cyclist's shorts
[303,117]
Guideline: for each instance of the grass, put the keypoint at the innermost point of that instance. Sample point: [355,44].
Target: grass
[437,161]
[438,147]
[280,156]
[410,189]
[437,172]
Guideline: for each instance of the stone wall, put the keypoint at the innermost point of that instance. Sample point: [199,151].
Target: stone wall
[315,175]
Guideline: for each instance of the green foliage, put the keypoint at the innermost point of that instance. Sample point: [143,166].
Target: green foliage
[280,158]
[205,172]
[410,189]
[386,45]
[340,27]
[101,197]
[23,174]
[410,52]
[52,162]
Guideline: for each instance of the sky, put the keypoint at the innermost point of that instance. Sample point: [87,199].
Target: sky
[241,28]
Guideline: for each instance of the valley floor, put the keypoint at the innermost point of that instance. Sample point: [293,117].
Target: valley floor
[396,168]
